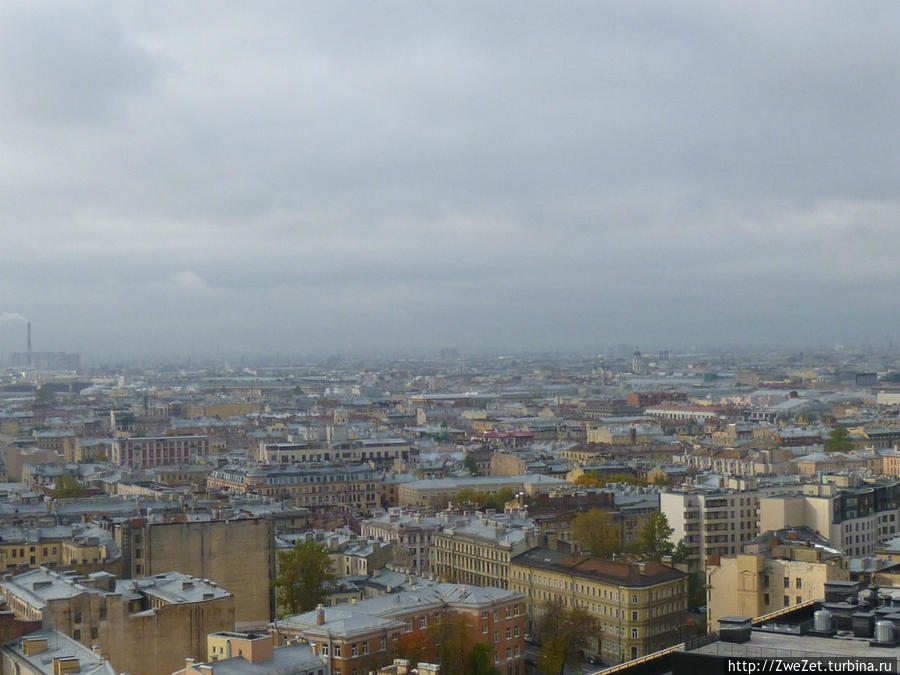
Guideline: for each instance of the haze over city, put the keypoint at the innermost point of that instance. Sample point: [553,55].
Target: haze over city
[298,177]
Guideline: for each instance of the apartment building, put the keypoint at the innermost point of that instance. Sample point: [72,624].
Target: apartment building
[152,451]
[357,488]
[238,554]
[714,521]
[357,638]
[674,411]
[144,626]
[639,607]
[83,546]
[477,549]
[379,451]
[412,532]
[854,520]
[436,492]
[776,570]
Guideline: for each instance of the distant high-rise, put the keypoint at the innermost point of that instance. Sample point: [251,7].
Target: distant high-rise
[636,361]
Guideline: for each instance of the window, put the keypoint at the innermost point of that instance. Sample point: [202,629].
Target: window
[94,632]
[797,583]
[77,617]
[634,600]
[337,650]
[484,628]
[798,600]
[634,616]
[76,634]
[787,582]
[383,644]
[355,649]
[365,647]
[496,636]
[421,622]
[508,633]
[766,599]
[516,632]
[634,632]
[787,601]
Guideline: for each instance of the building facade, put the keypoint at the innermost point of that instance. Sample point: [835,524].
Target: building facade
[477,549]
[144,452]
[145,627]
[639,607]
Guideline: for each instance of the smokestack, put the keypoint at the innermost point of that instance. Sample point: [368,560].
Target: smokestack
[28,324]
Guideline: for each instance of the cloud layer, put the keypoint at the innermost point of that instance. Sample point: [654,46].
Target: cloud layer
[190,177]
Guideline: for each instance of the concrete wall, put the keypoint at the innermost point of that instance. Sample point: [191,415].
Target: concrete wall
[237,554]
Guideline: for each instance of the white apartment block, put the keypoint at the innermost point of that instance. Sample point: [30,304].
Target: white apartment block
[714,521]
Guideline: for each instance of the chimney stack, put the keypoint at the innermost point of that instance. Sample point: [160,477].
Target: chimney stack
[320,614]
[28,332]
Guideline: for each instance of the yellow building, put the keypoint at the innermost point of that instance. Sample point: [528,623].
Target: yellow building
[82,547]
[477,549]
[777,570]
[358,488]
[639,607]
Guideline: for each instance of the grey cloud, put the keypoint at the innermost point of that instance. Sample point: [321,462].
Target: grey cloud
[63,63]
[393,174]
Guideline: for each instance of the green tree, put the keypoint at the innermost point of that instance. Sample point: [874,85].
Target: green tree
[68,487]
[478,661]
[595,533]
[654,537]
[660,480]
[303,572]
[838,440]
[502,496]
[564,634]
[679,553]
[470,463]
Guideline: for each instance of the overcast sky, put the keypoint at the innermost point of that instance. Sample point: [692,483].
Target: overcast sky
[259,177]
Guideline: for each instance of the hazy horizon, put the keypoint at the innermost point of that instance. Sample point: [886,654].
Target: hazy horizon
[283,177]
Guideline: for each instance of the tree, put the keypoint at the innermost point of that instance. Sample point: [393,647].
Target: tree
[478,661]
[564,634]
[302,573]
[679,553]
[465,495]
[68,487]
[595,533]
[838,440]
[470,463]
[502,496]
[654,538]
[497,500]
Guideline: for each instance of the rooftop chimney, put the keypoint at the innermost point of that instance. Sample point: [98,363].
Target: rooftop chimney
[28,331]
[320,614]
